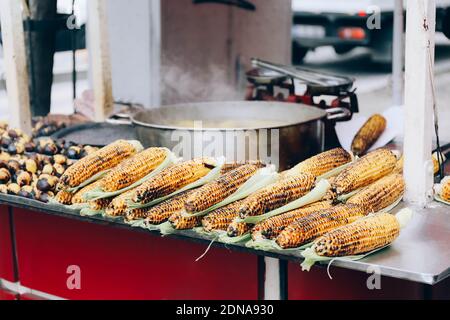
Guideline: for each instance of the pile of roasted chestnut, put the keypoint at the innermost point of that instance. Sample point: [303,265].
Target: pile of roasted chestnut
[31,168]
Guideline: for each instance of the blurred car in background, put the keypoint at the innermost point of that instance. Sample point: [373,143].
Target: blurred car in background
[343,24]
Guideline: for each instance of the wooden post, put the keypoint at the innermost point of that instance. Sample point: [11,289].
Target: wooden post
[16,64]
[419,101]
[98,46]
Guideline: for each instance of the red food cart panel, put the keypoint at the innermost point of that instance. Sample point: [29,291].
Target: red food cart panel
[116,263]
[7,295]
[30,297]
[6,247]
[346,284]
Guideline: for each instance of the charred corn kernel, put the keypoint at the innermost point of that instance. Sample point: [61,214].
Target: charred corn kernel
[180,222]
[277,194]
[103,159]
[5,176]
[445,189]
[133,169]
[364,171]
[368,134]
[64,197]
[100,204]
[78,197]
[237,229]
[359,237]
[161,212]
[306,229]
[323,162]
[119,205]
[31,166]
[219,189]
[221,218]
[380,194]
[272,227]
[230,166]
[172,179]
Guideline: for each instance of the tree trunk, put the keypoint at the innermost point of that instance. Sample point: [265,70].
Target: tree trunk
[41,48]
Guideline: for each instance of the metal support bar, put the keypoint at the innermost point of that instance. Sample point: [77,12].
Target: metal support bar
[398,55]
[275,280]
[419,101]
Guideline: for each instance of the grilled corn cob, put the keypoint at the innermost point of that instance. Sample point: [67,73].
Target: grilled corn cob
[272,227]
[368,134]
[119,204]
[445,189]
[103,159]
[219,189]
[399,166]
[99,204]
[172,179]
[237,229]
[359,237]
[380,194]
[277,194]
[230,166]
[221,218]
[306,229]
[133,169]
[64,197]
[322,163]
[161,212]
[364,171]
[78,197]
[180,222]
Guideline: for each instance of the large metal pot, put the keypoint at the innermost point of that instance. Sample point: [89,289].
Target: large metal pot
[281,133]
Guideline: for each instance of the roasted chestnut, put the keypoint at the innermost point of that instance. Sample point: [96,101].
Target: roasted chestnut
[5,176]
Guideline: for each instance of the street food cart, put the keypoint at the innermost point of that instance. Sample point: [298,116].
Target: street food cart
[52,252]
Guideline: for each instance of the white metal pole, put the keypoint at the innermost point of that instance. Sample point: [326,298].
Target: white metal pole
[419,73]
[272,284]
[16,64]
[397,55]
[99,51]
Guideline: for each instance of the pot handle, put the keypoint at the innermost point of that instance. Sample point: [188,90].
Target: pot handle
[338,114]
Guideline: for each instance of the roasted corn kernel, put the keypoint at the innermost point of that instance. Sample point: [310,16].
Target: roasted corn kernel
[180,222]
[364,171]
[321,163]
[362,236]
[272,227]
[219,189]
[306,229]
[161,212]
[119,205]
[380,194]
[64,197]
[221,218]
[133,169]
[101,160]
[277,194]
[172,179]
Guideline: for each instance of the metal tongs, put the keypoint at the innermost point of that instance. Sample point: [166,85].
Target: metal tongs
[305,75]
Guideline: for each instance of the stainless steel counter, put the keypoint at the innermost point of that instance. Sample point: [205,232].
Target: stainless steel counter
[421,253]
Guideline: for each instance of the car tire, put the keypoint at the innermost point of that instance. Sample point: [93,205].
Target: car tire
[343,49]
[446,24]
[298,53]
